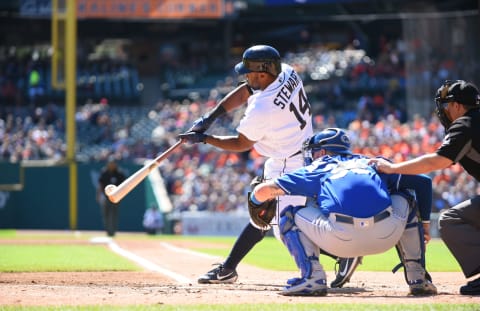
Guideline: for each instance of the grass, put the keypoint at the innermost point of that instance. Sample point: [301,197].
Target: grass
[34,258]
[8,233]
[269,254]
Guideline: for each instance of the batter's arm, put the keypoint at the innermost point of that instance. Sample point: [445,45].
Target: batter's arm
[232,100]
[238,143]
[236,97]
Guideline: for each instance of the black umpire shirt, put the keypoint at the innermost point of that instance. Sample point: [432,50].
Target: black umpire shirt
[462,142]
[115,177]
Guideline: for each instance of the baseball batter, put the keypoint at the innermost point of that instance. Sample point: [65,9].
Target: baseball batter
[277,120]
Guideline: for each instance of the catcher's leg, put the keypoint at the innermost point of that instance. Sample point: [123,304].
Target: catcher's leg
[346,265]
[411,250]
[312,281]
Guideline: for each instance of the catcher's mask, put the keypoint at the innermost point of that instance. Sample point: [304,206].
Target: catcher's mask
[330,139]
[455,91]
[260,58]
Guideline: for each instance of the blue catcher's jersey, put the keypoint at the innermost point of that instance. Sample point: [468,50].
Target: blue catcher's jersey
[343,184]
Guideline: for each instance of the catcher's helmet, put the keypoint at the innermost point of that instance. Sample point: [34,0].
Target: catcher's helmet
[459,91]
[331,139]
[260,58]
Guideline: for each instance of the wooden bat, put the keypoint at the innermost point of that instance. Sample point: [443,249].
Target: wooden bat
[116,193]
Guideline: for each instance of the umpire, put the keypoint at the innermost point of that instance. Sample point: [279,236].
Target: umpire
[457,107]
[110,174]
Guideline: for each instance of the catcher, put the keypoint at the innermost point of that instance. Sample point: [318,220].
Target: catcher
[355,216]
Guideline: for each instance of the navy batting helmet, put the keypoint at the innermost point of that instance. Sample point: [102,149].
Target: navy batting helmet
[331,139]
[459,91]
[260,58]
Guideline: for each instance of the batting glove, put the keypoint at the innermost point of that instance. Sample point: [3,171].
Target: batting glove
[201,124]
[193,137]
[204,122]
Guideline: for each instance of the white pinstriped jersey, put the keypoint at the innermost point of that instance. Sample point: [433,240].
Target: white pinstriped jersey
[279,118]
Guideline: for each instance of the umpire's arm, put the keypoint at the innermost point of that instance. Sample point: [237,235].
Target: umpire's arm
[267,191]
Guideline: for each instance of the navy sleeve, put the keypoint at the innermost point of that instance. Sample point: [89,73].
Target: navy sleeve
[422,185]
[391,180]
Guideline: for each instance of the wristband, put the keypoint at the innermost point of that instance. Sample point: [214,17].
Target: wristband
[216,112]
[425,221]
[254,199]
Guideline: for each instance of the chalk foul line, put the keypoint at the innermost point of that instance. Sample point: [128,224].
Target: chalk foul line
[188,251]
[148,264]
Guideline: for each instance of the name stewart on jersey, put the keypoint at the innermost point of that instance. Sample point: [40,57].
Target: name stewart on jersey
[283,96]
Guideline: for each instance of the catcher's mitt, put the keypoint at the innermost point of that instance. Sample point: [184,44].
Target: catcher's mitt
[257,180]
[262,214]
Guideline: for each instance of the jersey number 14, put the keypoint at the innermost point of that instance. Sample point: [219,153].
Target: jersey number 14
[303,106]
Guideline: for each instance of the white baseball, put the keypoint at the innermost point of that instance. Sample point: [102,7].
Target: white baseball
[109,189]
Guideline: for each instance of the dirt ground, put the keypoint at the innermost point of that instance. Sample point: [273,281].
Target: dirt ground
[171,280]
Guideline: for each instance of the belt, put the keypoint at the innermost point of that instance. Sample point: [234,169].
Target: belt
[349,220]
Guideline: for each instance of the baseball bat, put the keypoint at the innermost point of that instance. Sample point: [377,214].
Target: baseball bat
[116,193]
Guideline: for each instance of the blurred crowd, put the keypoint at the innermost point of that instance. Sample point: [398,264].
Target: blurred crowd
[346,89]
[26,77]
[200,177]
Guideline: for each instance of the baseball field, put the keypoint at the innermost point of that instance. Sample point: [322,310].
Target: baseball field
[71,270]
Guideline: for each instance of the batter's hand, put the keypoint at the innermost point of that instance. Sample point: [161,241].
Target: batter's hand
[193,137]
[204,122]
[201,124]
[381,165]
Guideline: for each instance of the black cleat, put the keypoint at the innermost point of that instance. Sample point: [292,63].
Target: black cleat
[472,288]
[346,267]
[219,275]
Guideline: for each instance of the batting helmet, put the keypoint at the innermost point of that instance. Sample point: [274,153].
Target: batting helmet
[260,58]
[331,139]
[459,91]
